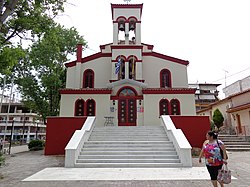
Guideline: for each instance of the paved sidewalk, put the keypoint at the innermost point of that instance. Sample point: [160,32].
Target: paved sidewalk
[23,165]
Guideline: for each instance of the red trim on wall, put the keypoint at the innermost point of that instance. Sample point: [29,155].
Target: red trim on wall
[193,127]
[126,60]
[168,91]
[150,47]
[178,107]
[123,18]
[132,56]
[161,102]
[79,52]
[126,47]
[70,64]
[122,57]
[87,105]
[76,107]
[169,81]
[132,17]
[89,58]
[59,131]
[86,91]
[95,56]
[127,21]
[118,80]
[165,57]
[84,77]
[104,46]
[126,87]
[125,6]
[139,97]
[238,108]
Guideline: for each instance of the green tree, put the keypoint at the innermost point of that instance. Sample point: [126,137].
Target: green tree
[42,74]
[23,20]
[218,118]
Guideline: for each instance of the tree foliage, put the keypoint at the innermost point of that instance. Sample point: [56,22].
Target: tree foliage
[218,118]
[42,73]
[23,20]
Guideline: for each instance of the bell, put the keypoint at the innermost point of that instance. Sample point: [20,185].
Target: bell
[121,27]
[132,26]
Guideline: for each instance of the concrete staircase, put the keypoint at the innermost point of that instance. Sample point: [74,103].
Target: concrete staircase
[137,146]
[235,143]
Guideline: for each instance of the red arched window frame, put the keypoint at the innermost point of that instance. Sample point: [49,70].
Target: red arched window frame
[175,107]
[90,105]
[165,79]
[88,79]
[79,107]
[164,107]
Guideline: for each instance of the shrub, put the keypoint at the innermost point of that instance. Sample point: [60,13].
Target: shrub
[2,159]
[35,145]
[218,118]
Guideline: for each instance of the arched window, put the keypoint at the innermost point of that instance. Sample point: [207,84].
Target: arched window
[88,79]
[79,107]
[165,78]
[90,107]
[121,73]
[132,68]
[175,107]
[127,92]
[164,107]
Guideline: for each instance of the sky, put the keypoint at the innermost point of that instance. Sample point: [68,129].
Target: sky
[214,35]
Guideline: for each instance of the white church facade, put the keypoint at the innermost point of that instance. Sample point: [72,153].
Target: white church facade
[127,83]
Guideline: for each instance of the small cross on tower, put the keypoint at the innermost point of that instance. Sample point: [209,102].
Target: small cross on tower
[127,1]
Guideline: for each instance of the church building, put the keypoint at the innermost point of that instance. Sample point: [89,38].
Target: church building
[127,83]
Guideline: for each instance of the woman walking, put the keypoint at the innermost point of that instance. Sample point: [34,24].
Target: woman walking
[213,158]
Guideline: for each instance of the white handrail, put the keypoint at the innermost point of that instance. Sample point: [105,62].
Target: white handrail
[76,142]
[179,140]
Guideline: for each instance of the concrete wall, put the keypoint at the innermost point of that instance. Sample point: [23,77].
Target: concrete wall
[151,106]
[152,66]
[103,103]
[59,131]
[236,87]
[193,127]
[102,73]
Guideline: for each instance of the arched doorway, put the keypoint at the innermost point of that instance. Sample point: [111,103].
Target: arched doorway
[127,107]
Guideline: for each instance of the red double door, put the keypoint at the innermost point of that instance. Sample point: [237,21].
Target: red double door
[127,112]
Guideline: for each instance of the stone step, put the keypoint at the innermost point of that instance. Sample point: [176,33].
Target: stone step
[238,149]
[131,127]
[127,145]
[128,157]
[237,146]
[128,161]
[84,152]
[128,165]
[237,143]
[128,142]
[129,133]
[136,138]
[127,139]
[128,149]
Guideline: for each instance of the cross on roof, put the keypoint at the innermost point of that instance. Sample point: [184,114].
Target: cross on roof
[127,1]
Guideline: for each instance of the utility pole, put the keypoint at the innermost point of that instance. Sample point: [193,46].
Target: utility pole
[7,117]
[225,76]
[4,82]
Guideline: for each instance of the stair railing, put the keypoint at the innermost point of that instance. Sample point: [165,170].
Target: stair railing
[73,148]
[181,144]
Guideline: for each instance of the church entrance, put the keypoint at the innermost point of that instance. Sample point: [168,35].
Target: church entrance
[127,108]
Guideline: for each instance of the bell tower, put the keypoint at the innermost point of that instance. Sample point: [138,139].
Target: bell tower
[126,47]
[126,23]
